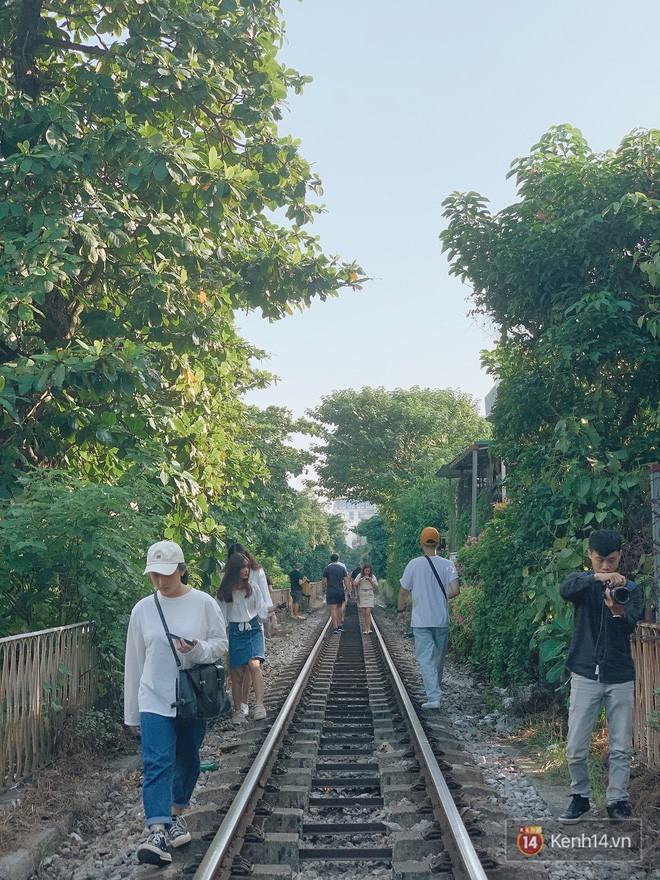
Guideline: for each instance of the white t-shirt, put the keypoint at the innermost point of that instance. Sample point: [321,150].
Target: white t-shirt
[429,603]
[151,672]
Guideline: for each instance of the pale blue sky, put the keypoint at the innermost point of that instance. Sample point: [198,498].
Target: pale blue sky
[410,102]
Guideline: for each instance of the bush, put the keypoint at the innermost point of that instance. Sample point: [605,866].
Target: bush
[461,625]
[502,620]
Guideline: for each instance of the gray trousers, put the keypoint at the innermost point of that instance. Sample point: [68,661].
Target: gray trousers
[586,699]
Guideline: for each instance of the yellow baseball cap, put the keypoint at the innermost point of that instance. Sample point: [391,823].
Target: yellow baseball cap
[429,536]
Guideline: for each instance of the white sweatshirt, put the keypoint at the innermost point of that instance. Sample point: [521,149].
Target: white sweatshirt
[150,672]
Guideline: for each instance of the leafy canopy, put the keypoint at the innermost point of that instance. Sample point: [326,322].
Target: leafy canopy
[377,441]
[570,274]
[146,195]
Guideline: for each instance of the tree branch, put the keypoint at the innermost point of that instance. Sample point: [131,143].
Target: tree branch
[96,51]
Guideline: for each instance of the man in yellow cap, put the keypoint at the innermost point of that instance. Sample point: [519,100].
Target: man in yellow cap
[432,581]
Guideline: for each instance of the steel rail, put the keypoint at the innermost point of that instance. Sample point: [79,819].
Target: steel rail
[466,850]
[225,833]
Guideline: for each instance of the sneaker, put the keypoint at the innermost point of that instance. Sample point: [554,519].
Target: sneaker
[365,632]
[259,713]
[335,630]
[431,704]
[578,806]
[239,718]
[245,709]
[178,833]
[340,628]
[619,810]
[153,851]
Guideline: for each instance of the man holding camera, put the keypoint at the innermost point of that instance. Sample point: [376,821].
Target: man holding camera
[607,608]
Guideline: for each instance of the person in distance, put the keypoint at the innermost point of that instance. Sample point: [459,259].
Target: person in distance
[607,608]
[366,583]
[244,609]
[432,581]
[170,745]
[296,581]
[334,584]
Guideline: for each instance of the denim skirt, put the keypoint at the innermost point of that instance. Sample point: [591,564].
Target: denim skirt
[245,644]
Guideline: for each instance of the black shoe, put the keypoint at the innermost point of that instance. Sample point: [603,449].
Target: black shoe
[619,810]
[576,809]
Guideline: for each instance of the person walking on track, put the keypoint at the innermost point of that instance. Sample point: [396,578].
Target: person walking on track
[334,585]
[259,578]
[366,584]
[170,745]
[432,581]
[244,608]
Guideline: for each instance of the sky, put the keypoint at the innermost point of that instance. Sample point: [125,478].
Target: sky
[410,102]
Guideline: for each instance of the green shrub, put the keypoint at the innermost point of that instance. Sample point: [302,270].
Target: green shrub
[461,625]
[502,621]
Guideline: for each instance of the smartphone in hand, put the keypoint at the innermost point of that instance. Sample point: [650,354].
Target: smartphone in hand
[187,641]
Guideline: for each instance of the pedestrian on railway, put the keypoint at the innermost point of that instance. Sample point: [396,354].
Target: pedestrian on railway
[296,581]
[244,609]
[432,581]
[607,609]
[170,745]
[366,583]
[335,582]
[259,578]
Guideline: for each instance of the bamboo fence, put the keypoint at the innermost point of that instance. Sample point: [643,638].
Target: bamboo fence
[645,644]
[43,677]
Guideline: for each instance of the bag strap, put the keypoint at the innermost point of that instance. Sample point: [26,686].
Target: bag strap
[437,576]
[167,632]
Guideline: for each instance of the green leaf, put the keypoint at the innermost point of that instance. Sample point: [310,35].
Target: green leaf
[103,435]
[161,171]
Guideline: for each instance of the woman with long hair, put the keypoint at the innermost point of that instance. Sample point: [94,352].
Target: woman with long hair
[259,578]
[243,608]
[366,583]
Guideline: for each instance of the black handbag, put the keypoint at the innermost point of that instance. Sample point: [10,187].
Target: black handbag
[200,689]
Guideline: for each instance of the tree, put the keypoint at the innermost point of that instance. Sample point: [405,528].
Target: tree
[141,174]
[376,441]
[569,274]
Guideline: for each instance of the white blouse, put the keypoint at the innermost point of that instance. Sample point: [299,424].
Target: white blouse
[243,608]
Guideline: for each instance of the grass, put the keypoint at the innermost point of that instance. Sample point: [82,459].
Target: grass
[542,738]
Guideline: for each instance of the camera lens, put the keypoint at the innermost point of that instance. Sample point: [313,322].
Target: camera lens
[620,595]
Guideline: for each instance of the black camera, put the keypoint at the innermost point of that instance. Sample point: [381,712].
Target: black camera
[620,595]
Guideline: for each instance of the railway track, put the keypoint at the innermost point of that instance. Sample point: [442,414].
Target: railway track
[347,780]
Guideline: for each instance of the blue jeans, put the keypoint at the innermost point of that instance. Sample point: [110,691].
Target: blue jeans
[170,758]
[430,650]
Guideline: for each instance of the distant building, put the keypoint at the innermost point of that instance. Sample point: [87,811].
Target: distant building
[353,513]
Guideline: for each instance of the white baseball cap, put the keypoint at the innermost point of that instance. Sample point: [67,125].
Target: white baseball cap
[163,558]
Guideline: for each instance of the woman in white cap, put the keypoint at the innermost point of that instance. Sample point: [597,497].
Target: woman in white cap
[170,745]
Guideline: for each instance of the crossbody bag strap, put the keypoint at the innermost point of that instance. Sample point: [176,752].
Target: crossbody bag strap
[167,632]
[437,576]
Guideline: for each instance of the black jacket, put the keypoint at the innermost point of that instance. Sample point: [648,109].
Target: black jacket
[600,649]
